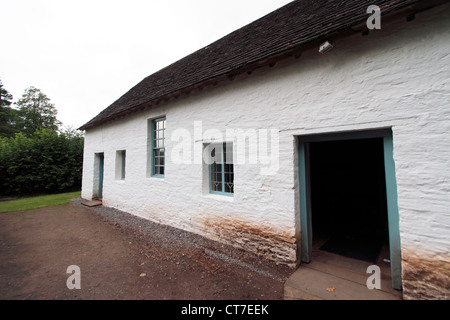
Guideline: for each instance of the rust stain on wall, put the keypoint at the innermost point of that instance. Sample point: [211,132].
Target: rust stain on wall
[425,276]
[277,245]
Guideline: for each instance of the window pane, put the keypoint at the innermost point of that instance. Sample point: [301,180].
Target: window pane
[228,153]
[216,177]
[216,154]
[123,164]
[229,168]
[229,178]
[229,184]
[160,134]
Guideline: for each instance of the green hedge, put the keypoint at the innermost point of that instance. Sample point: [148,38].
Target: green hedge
[46,162]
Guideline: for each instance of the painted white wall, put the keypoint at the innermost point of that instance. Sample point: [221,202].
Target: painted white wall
[397,77]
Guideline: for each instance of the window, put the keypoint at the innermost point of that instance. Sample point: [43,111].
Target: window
[120,164]
[158,133]
[221,170]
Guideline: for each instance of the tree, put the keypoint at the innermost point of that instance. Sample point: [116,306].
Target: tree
[8,115]
[5,97]
[35,155]
[36,112]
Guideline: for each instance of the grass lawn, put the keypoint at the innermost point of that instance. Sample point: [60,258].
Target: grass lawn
[38,202]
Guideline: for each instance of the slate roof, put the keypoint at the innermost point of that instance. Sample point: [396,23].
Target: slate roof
[289,28]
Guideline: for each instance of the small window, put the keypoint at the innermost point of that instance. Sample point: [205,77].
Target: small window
[221,169]
[120,164]
[158,147]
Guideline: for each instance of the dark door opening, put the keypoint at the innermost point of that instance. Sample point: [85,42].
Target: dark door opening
[99,163]
[348,197]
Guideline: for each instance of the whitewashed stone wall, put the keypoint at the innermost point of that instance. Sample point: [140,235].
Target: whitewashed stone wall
[397,77]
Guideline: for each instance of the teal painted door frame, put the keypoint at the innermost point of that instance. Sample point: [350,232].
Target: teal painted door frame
[391,194]
[393,217]
[101,158]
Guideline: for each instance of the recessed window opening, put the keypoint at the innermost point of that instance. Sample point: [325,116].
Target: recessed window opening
[120,164]
[158,134]
[221,169]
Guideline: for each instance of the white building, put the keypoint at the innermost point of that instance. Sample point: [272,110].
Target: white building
[352,144]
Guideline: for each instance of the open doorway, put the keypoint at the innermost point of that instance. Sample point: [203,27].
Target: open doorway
[99,163]
[348,198]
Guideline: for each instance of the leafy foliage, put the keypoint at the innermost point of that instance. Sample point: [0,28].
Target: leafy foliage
[35,156]
[45,162]
[36,112]
[5,96]
[8,115]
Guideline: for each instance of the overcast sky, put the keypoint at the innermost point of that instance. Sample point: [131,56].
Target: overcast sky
[85,54]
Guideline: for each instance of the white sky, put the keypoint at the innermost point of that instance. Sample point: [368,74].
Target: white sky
[85,54]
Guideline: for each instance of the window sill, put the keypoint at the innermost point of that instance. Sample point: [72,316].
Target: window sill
[219,197]
[156,178]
